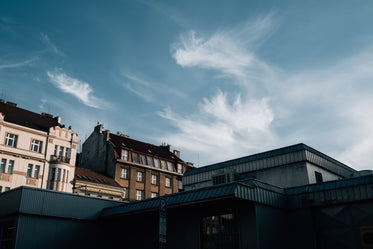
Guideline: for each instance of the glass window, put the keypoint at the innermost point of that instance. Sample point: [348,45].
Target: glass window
[139,194]
[29,170]
[58,174]
[318,177]
[168,182]
[180,168]
[124,196]
[11,140]
[143,160]
[154,179]
[139,176]
[125,155]
[163,163]
[67,153]
[67,175]
[136,158]
[53,174]
[2,166]
[150,161]
[154,195]
[36,171]
[10,167]
[55,150]
[36,145]
[124,173]
[170,166]
[180,184]
[157,163]
[218,232]
[60,154]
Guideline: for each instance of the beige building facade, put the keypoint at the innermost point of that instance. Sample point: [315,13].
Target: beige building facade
[35,150]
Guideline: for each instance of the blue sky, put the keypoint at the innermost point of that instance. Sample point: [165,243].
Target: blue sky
[215,79]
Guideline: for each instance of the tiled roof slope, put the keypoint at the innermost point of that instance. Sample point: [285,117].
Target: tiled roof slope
[141,147]
[91,176]
[19,116]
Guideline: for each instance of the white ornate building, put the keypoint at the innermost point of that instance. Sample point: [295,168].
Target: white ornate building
[35,150]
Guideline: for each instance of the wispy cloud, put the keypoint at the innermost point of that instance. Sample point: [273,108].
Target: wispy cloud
[19,64]
[45,39]
[229,51]
[79,89]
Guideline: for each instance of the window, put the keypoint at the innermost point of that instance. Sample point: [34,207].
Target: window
[36,171]
[143,160]
[124,174]
[139,194]
[124,195]
[219,232]
[154,179]
[163,163]
[168,182]
[157,163]
[64,175]
[67,176]
[11,140]
[67,153]
[318,177]
[53,174]
[136,158]
[170,166]
[220,179]
[154,195]
[179,168]
[150,161]
[36,145]
[2,166]
[55,150]
[125,155]
[60,154]
[29,170]
[139,176]
[180,184]
[58,175]
[10,167]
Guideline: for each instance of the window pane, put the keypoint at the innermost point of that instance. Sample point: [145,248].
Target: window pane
[163,163]
[10,167]
[139,195]
[170,166]
[36,146]
[150,161]
[154,179]
[60,154]
[125,155]
[2,166]
[29,170]
[124,173]
[157,163]
[143,160]
[11,140]
[136,158]
[180,168]
[58,174]
[168,182]
[53,174]
[36,171]
[124,193]
[139,176]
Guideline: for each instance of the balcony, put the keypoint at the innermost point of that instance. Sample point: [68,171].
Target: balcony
[59,159]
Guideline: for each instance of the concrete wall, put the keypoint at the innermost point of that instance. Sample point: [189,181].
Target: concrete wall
[326,175]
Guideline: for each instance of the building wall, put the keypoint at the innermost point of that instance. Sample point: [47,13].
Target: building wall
[326,175]
[98,190]
[23,156]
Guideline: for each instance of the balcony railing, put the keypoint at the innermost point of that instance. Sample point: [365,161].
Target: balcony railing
[60,159]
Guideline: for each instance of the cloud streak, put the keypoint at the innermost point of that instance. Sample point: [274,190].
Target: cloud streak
[79,89]
[45,39]
[20,64]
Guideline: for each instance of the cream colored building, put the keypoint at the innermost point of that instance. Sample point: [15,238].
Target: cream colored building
[35,150]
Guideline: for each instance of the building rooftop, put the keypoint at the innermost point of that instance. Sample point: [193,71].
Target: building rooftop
[87,175]
[124,142]
[19,116]
[264,155]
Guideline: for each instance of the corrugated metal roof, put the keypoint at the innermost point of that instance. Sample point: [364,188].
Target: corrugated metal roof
[342,183]
[263,155]
[250,190]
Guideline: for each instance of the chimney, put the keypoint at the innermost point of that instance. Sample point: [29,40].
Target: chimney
[98,128]
[177,153]
[11,104]
[166,146]
[58,119]
[107,133]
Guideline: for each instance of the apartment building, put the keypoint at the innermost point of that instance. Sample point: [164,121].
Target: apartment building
[35,150]
[143,170]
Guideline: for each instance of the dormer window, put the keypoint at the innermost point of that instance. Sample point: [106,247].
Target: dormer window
[125,155]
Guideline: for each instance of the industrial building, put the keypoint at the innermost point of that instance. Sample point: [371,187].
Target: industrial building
[225,205]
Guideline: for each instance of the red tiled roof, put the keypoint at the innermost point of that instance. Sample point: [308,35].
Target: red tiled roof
[91,176]
[141,147]
[27,118]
